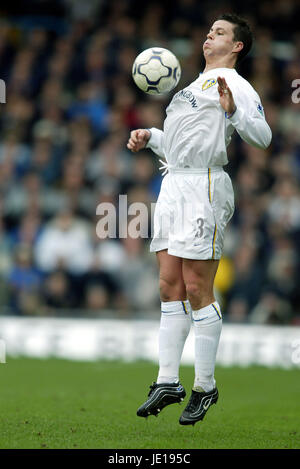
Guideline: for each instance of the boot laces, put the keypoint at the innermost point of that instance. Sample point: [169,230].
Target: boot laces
[193,402]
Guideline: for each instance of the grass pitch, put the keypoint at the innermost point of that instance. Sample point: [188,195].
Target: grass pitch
[63,404]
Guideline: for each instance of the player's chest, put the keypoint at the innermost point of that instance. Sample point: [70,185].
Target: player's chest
[195,97]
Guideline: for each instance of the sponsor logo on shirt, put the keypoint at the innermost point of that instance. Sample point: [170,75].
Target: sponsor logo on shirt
[208,83]
[187,95]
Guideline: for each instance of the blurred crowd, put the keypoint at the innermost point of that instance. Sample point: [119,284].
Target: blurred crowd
[70,106]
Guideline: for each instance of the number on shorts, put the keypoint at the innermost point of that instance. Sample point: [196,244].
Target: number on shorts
[200,223]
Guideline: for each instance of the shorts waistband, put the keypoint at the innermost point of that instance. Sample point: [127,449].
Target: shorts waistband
[212,169]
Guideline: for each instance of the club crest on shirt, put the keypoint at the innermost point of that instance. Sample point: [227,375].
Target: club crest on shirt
[208,83]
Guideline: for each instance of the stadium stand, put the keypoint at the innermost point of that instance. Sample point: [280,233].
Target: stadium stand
[70,105]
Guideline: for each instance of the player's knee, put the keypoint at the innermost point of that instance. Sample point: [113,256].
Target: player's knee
[195,289]
[166,290]
[171,291]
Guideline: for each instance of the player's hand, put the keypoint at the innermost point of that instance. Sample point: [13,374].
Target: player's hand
[226,98]
[138,139]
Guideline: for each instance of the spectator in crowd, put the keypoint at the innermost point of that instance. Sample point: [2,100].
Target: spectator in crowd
[24,282]
[57,293]
[65,243]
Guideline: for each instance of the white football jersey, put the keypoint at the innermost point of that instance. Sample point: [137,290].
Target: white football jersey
[197,131]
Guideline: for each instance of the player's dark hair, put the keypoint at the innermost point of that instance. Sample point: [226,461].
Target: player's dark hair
[241,31]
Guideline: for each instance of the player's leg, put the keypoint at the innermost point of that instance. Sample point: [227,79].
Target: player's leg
[175,320]
[174,328]
[199,277]
[207,319]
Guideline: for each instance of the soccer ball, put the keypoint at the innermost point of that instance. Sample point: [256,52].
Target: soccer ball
[156,70]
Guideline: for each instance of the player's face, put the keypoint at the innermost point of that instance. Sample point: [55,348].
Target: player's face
[219,40]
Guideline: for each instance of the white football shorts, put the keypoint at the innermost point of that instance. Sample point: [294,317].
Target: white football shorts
[191,213]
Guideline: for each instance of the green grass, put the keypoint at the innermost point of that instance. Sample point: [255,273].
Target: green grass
[63,404]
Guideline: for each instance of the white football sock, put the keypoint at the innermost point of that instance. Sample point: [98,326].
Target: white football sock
[174,328]
[207,329]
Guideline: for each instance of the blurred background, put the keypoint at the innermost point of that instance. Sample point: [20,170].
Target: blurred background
[70,106]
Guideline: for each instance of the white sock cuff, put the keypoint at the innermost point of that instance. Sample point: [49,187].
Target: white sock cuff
[207,314]
[176,307]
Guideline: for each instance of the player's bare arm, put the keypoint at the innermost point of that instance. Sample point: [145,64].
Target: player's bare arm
[138,139]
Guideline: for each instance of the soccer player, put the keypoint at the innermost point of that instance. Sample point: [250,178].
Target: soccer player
[199,123]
